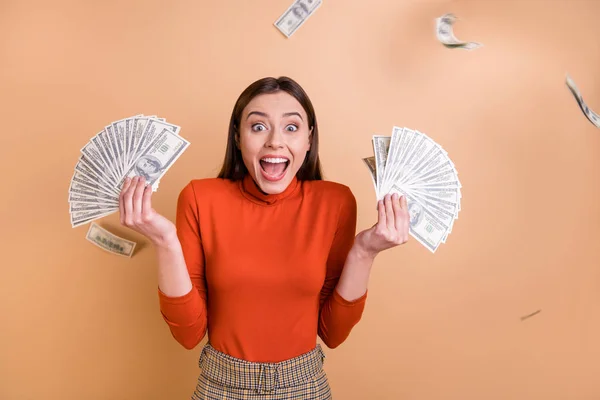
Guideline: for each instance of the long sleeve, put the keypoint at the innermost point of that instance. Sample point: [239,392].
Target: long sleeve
[187,315]
[338,316]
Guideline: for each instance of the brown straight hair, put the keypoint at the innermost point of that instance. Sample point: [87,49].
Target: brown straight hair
[233,165]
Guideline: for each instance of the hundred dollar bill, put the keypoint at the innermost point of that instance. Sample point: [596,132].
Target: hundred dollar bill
[407,144]
[92,156]
[372,166]
[591,115]
[81,190]
[151,129]
[128,138]
[296,15]
[438,179]
[444,167]
[83,217]
[77,216]
[432,159]
[424,226]
[449,206]
[423,151]
[100,141]
[109,241]
[444,213]
[137,129]
[445,34]
[157,158]
[81,198]
[115,147]
[381,146]
[396,145]
[88,182]
[85,167]
[74,207]
[419,146]
[120,128]
[445,195]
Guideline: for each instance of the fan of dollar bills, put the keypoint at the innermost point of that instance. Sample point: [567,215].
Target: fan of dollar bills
[140,145]
[411,164]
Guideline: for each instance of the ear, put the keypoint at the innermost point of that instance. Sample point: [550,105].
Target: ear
[310,133]
[236,137]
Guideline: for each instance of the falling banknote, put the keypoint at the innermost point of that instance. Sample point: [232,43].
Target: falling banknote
[445,34]
[296,15]
[592,116]
[109,242]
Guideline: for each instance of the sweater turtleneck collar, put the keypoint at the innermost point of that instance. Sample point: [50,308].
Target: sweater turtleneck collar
[251,191]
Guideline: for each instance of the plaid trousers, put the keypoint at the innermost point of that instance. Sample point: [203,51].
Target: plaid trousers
[224,377]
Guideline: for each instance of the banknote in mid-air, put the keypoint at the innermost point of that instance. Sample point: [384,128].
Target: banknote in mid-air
[590,115]
[410,163]
[445,33]
[109,241]
[136,146]
[296,15]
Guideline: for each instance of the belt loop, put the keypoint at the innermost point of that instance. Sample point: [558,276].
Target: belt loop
[268,378]
[261,379]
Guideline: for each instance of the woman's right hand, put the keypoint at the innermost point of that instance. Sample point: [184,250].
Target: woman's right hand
[135,207]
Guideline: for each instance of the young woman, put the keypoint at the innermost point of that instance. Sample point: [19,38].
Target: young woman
[264,257]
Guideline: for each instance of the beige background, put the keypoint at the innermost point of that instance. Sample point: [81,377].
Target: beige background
[79,323]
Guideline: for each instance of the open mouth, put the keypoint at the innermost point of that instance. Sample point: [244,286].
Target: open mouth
[273,168]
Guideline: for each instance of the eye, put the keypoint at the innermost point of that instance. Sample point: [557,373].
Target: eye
[291,128]
[258,128]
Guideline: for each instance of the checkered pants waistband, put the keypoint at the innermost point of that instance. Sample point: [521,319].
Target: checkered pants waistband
[260,377]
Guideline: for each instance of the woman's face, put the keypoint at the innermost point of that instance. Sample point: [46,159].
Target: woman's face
[274,138]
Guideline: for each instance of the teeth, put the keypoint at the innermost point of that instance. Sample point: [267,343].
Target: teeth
[274,160]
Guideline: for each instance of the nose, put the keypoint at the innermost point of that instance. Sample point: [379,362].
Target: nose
[275,139]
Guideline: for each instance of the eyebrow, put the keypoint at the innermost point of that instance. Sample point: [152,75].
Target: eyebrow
[262,114]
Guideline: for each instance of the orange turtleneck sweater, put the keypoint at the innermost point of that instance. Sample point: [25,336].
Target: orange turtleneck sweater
[264,268]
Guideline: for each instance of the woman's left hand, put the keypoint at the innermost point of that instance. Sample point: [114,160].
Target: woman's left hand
[391,228]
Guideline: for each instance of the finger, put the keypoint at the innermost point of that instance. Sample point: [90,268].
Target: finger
[121,195]
[398,214]
[137,199]
[125,186]
[128,202]
[381,218]
[147,201]
[121,211]
[406,222]
[389,212]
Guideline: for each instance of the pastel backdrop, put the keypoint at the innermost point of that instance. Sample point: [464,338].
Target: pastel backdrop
[78,322]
